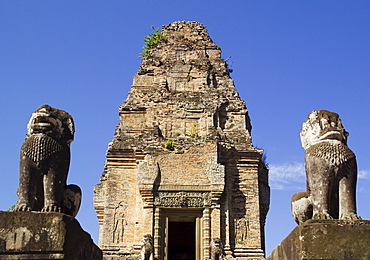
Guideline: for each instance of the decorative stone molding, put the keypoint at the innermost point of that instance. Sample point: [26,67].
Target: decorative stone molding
[182,199]
[216,173]
[148,172]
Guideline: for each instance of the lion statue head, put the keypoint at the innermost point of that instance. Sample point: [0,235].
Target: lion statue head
[322,125]
[54,122]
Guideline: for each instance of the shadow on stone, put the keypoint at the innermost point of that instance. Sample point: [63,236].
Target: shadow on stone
[35,235]
[326,239]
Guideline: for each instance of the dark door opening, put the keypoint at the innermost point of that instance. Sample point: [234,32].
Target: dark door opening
[181,240]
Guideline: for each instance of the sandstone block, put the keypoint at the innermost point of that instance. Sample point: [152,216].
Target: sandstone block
[326,239]
[35,235]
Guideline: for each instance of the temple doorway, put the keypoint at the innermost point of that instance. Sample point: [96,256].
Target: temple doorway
[181,240]
[182,234]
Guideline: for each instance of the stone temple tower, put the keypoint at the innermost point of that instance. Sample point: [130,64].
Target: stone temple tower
[181,166]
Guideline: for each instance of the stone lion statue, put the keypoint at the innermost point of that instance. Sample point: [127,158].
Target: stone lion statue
[217,250]
[147,248]
[44,164]
[331,171]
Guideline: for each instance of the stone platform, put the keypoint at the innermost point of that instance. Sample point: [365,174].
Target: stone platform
[326,239]
[36,235]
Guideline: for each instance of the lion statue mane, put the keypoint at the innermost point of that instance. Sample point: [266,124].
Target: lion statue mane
[44,164]
[331,171]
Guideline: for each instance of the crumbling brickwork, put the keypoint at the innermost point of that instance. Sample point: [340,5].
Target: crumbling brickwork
[182,156]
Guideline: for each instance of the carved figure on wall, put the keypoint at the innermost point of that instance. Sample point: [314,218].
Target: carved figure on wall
[147,248]
[242,227]
[44,164]
[331,171]
[217,249]
[119,223]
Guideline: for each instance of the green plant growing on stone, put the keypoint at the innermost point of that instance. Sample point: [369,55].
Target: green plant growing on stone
[152,40]
[11,208]
[170,145]
[176,133]
[229,64]
[193,132]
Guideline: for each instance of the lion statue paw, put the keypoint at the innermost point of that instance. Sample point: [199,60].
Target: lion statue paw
[51,208]
[319,216]
[350,216]
[22,207]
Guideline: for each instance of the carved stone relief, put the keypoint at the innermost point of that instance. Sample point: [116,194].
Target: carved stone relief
[148,170]
[216,173]
[182,199]
[242,228]
[120,223]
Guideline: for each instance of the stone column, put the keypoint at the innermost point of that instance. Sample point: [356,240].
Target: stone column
[206,233]
[215,222]
[227,247]
[247,226]
[157,227]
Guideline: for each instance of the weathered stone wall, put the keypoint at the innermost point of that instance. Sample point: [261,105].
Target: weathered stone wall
[35,235]
[183,94]
[326,239]
[173,171]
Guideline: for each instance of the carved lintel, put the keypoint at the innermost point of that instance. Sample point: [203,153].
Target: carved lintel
[182,199]
[185,188]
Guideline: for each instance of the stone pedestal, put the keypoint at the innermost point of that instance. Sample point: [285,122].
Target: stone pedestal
[36,235]
[326,239]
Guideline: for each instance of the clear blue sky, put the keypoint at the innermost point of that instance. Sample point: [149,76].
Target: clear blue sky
[289,58]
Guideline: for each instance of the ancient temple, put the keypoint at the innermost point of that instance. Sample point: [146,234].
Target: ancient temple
[181,170]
